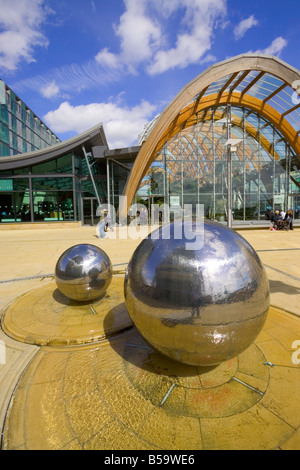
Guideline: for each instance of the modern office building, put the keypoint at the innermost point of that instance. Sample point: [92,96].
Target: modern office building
[21,130]
[64,182]
[229,140]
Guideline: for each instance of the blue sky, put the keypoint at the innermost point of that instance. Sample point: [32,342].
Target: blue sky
[77,63]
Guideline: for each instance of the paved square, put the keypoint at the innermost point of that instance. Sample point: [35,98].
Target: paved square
[111,390]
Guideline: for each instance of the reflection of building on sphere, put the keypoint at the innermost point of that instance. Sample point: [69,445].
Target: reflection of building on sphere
[199,306]
[83,272]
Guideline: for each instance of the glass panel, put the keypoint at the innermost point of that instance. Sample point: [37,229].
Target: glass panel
[47,167]
[296,207]
[21,183]
[247,80]
[155,181]
[87,211]
[295,175]
[7,213]
[3,114]
[65,205]
[52,183]
[175,184]
[13,142]
[13,124]
[14,207]
[53,206]
[265,86]
[22,206]
[221,178]
[217,86]
[45,206]
[238,190]
[220,207]
[294,119]
[77,165]
[44,183]
[2,92]
[64,164]
[4,133]
[6,184]
[64,183]
[21,171]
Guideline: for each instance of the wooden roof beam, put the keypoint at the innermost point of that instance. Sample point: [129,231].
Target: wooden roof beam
[228,83]
[255,80]
[291,110]
[275,93]
[242,77]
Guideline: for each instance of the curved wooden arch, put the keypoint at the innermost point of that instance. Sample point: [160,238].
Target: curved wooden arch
[250,129]
[179,112]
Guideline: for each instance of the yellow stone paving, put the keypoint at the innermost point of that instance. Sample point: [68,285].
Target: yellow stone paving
[76,379]
[45,316]
[122,394]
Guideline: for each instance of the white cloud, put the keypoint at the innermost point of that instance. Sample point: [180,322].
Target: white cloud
[51,90]
[20,24]
[191,45]
[69,79]
[122,124]
[142,31]
[241,29]
[138,34]
[107,59]
[274,48]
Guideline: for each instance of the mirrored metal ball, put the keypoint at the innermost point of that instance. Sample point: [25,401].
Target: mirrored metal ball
[198,306]
[83,272]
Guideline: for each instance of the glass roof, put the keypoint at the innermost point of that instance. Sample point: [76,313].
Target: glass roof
[216,87]
[262,141]
[263,86]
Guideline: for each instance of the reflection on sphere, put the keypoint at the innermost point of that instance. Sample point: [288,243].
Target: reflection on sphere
[198,306]
[83,272]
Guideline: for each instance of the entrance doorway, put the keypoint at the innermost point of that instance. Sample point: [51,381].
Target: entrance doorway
[89,210]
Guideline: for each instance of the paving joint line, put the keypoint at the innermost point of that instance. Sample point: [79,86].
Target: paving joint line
[282,272]
[42,276]
[278,249]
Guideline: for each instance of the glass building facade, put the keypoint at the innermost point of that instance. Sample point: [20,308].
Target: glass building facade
[54,191]
[230,141]
[21,130]
[45,188]
[192,167]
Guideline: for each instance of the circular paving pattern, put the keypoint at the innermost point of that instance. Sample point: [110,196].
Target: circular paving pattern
[122,394]
[95,383]
[45,316]
[195,391]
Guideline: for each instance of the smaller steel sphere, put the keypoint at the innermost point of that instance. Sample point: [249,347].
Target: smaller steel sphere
[83,272]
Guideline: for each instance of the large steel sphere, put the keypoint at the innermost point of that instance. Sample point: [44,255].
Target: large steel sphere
[83,272]
[201,306]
